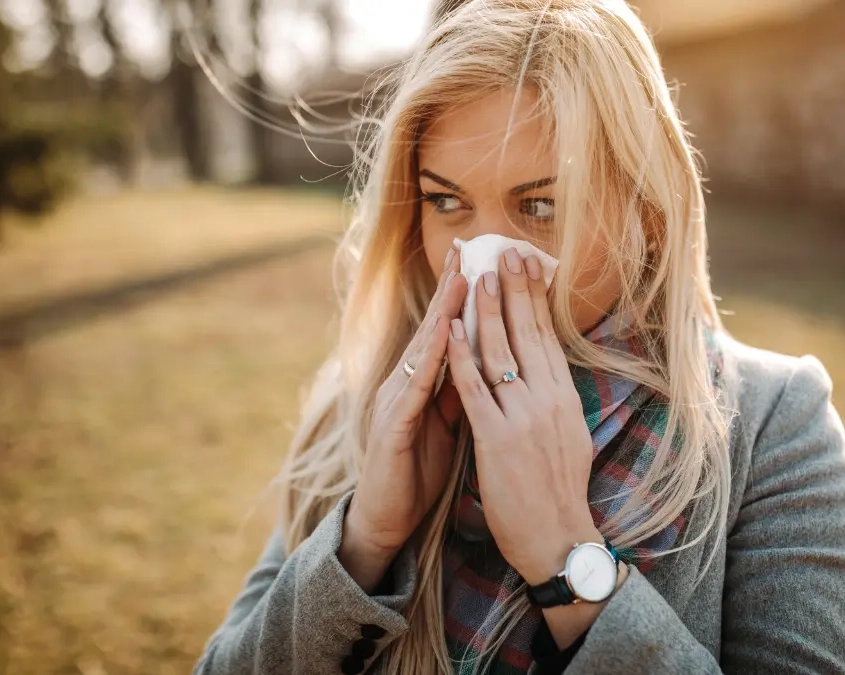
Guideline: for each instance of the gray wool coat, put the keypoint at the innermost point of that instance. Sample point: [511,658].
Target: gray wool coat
[771,601]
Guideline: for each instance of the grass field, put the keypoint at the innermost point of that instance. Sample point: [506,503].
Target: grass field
[150,369]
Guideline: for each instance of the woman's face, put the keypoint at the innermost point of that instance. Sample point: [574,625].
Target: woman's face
[470,186]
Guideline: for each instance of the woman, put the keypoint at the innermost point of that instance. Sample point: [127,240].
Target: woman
[621,487]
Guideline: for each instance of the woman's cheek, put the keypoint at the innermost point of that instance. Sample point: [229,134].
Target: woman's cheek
[595,287]
[437,241]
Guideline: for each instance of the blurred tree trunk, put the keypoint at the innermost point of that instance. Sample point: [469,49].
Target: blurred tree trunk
[262,146]
[25,185]
[5,84]
[5,99]
[184,83]
[115,90]
[62,58]
[110,86]
[331,15]
[186,111]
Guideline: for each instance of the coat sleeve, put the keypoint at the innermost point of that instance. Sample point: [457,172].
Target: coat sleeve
[784,593]
[304,614]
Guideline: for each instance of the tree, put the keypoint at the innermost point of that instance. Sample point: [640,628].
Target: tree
[115,89]
[61,59]
[257,102]
[184,85]
[112,81]
[331,16]
[25,179]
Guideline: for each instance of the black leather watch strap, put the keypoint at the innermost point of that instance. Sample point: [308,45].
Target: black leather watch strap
[552,593]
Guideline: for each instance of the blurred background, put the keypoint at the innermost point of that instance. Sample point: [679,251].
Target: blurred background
[165,288]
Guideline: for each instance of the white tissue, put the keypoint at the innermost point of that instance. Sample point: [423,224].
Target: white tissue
[482,255]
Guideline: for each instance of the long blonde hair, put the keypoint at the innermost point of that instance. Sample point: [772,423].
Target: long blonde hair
[626,167]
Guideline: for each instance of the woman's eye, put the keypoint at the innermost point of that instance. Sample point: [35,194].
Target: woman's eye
[542,208]
[444,203]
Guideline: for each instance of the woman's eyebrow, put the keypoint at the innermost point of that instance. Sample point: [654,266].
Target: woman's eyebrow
[533,185]
[440,180]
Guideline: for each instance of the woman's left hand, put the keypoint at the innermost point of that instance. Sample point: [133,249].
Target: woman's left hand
[533,450]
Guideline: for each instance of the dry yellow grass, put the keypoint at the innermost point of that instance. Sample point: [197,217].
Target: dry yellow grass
[91,243]
[135,443]
[134,446]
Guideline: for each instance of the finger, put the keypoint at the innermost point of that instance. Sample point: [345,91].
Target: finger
[451,265]
[520,323]
[428,349]
[496,356]
[447,301]
[417,389]
[450,269]
[479,404]
[558,365]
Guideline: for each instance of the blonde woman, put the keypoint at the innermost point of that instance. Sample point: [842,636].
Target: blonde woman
[620,487]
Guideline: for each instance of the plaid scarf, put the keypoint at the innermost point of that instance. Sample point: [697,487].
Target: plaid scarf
[627,422]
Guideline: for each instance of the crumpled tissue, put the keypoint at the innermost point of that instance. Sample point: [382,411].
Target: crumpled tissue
[480,255]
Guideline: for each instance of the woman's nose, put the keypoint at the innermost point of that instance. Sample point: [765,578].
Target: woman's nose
[491,221]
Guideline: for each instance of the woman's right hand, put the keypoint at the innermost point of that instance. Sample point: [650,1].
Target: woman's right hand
[411,444]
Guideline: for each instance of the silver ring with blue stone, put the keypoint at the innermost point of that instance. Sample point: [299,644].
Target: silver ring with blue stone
[507,376]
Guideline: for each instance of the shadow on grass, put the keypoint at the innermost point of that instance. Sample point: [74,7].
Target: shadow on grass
[788,258]
[27,325]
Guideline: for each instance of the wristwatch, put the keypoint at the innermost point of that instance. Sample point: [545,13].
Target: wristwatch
[589,576]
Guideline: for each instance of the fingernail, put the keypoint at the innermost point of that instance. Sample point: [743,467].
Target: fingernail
[449,257]
[512,261]
[491,284]
[532,266]
[450,277]
[457,329]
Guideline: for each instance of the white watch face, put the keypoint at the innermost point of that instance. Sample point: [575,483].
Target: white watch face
[591,572]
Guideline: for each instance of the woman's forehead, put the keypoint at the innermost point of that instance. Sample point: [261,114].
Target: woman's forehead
[494,134]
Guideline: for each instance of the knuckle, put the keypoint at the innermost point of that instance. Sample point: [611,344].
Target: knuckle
[547,331]
[569,401]
[549,410]
[502,352]
[417,384]
[490,307]
[530,333]
[424,328]
[476,388]
[515,284]
[419,357]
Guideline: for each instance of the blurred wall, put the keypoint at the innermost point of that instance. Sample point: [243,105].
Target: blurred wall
[767,106]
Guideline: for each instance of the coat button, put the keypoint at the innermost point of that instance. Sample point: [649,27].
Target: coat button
[351,665]
[363,648]
[370,631]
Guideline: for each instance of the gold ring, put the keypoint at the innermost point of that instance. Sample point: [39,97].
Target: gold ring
[408,369]
[508,376]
